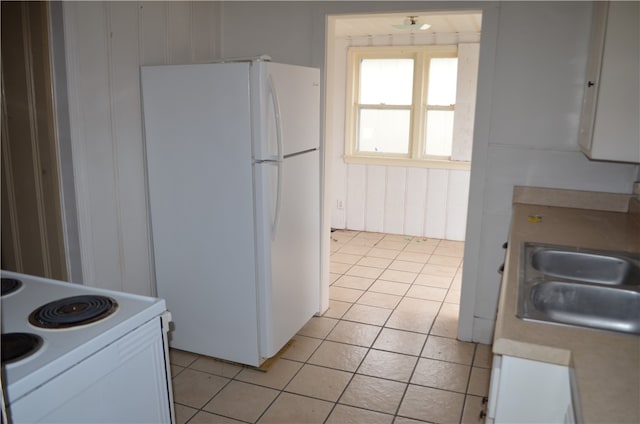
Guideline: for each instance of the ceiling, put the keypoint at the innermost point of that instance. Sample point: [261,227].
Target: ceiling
[441,22]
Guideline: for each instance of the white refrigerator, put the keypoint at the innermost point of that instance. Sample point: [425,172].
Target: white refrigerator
[234,193]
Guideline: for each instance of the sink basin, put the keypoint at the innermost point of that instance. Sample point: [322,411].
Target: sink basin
[587,267]
[585,305]
[588,288]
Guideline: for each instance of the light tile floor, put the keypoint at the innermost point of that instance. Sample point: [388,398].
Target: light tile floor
[384,352]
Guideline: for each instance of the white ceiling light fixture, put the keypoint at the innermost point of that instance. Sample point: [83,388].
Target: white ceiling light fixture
[411,23]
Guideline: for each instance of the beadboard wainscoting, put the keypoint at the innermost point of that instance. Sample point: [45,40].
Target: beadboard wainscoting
[397,200]
[106,43]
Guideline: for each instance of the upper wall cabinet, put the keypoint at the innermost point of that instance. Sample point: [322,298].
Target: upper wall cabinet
[610,120]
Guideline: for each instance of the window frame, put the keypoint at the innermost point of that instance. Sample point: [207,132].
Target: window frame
[418,109]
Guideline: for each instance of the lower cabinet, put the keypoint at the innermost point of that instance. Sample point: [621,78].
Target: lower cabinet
[526,391]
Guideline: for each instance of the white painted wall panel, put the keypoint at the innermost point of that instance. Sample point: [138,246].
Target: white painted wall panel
[395,200]
[179,32]
[375,198]
[90,109]
[205,22]
[356,184]
[436,211]
[336,182]
[416,205]
[153,39]
[457,203]
[339,193]
[468,56]
[129,157]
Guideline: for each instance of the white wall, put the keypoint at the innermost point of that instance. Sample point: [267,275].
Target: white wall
[106,42]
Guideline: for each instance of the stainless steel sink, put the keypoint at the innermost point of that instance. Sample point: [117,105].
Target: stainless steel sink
[588,288]
[597,268]
[585,305]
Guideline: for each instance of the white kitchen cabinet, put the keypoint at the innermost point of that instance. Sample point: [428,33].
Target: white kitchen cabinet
[526,391]
[609,124]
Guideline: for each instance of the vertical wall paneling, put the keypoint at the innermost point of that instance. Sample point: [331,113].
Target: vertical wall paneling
[126,126]
[416,205]
[106,42]
[355,205]
[436,216]
[19,144]
[339,195]
[335,183]
[92,138]
[154,34]
[204,17]
[32,237]
[457,205]
[395,200]
[35,117]
[468,57]
[57,57]
[47,160]
[375,198]
[11,246]
[179,32]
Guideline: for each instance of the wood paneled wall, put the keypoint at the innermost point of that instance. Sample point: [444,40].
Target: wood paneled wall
[413,201]
[32,239]
[106,43]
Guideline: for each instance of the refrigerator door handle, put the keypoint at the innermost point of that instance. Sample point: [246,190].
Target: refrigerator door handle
[276,112]
[276,214]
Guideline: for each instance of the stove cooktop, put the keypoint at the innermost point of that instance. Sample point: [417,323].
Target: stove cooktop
[59,348]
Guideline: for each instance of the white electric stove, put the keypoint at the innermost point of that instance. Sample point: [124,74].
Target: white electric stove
[77,354]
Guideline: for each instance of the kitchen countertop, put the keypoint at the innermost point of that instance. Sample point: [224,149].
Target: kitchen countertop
[605,364]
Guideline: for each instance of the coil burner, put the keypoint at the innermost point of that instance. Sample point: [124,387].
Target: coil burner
[9,285]
[17,346]
[73,311]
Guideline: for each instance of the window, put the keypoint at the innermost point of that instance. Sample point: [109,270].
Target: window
[401,104]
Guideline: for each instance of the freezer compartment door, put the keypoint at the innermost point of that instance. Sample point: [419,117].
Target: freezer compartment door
[286,109]
[288,260]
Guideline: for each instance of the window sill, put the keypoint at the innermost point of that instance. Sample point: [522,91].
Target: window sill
[406,162]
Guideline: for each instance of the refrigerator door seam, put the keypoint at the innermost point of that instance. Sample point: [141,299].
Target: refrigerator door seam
[290,155]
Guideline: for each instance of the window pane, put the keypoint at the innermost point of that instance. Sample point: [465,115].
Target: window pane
[439,134]
[443,74]
[386,81]
[384,131]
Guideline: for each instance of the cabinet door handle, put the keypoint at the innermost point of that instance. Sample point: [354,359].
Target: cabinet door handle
[591,84]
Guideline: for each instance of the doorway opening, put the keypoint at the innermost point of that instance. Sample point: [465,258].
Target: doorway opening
[428,198]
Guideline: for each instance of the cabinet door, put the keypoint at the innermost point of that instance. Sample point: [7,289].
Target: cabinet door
[527,391]
[610,128]
[596,47]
